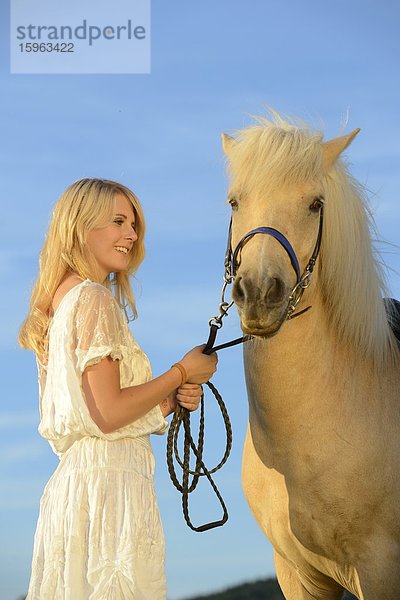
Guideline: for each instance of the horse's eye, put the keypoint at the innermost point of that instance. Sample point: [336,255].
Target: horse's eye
[316,204]
[233,202]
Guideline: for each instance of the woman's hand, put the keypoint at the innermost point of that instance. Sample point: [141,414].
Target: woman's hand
[187,395]
[199,367]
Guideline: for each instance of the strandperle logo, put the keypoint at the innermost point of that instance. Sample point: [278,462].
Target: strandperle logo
[83,31]
[75,37]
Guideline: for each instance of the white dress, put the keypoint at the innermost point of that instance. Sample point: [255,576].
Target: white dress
[99,534]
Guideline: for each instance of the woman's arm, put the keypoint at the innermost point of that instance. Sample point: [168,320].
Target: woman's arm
[112,407]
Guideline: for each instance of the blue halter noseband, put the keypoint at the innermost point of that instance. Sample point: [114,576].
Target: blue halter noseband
[275,234]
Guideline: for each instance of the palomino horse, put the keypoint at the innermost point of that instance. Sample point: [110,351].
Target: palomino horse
[321,464]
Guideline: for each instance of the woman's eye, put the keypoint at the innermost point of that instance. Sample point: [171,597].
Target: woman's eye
[118,221]
[316,204]
[233,202]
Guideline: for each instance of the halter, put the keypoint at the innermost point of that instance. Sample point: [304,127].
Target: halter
[232,261]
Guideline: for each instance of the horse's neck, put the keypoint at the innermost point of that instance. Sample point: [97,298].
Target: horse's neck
[289,377]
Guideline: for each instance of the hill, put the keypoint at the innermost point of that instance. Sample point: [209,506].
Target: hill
[264,589]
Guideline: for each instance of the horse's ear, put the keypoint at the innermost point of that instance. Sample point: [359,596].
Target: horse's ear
[227,142]
[332,149]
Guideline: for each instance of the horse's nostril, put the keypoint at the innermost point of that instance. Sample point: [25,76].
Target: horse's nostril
[275,291]
[238,293]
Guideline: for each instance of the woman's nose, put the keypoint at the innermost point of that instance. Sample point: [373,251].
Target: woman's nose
[131,234]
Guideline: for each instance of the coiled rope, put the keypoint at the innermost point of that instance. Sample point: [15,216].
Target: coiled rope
[182,418]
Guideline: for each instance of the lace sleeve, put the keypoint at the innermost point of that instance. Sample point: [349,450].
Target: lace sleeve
[98,327]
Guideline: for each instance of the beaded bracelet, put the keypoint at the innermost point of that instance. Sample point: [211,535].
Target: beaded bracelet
[182,371]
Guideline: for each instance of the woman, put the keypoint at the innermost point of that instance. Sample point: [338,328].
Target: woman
[99,534]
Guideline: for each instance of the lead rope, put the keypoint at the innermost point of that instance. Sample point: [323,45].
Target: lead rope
[182,417]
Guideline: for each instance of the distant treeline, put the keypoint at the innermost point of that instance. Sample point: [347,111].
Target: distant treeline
[264,589]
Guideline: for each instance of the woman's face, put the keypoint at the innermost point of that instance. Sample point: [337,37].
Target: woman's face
[111,245]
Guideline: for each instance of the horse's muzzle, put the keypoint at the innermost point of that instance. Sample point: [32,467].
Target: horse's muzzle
[262,305]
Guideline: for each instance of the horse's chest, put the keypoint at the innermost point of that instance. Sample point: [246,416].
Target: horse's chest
[265,492]
[293,518]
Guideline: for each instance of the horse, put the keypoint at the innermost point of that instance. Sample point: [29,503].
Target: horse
[321,459]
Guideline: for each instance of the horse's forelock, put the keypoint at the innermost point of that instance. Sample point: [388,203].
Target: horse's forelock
[266,156]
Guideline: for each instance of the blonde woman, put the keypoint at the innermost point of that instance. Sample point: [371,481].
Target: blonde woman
[99,534]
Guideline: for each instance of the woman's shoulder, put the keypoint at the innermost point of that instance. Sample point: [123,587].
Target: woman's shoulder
[97,293]
[96,299]
[76,287]
[84,296]
[93,288]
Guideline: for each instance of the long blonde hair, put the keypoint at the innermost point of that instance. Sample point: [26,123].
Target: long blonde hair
[85,205]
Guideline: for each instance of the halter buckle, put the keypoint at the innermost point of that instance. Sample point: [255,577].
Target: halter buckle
[224,306]
[298,290]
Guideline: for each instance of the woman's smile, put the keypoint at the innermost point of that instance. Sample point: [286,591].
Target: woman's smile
[116,238]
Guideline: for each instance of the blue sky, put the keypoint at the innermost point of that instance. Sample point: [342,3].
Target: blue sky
[214,63]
